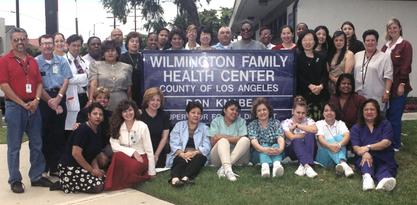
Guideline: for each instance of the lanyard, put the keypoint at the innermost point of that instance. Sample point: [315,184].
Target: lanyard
[330,130]
[23,64]
[365,69]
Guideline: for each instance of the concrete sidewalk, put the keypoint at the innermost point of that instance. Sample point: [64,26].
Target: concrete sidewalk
[38,195]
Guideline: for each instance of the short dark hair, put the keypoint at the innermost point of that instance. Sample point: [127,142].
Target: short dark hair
[93,106]
[264,28]
[108,45]
[131,35]
[370,32]
[286,26]
[17,30]
[73,38]
[193,104]
[45,36]
[176,31]
[333,107]
[378,118]
[339,81]
[91,38]
[229,104]
[302,35]
[260,101]
[163,29]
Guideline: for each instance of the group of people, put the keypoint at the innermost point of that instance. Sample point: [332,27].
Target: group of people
[89,124]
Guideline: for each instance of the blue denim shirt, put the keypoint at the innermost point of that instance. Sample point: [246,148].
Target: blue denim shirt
[54,74]
[179,137]
[220,46]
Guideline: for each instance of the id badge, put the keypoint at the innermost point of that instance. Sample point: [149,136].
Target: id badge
[28,88]
[55,69]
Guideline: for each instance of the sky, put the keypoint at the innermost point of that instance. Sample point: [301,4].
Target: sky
[90,14]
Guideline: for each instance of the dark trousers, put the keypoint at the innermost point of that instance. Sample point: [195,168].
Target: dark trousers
[181,168]
[53,133]
[302,149]
[82,99]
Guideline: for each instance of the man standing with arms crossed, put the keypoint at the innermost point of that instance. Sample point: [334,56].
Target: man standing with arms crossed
[21,83]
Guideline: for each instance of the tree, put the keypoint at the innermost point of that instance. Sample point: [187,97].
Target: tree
[152,10]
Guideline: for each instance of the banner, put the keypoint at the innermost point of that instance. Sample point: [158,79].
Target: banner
[214,77]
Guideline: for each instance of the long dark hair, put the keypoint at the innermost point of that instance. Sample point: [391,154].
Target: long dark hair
[117,120]
[339,81]
[378,119]
[333,48]
[353,38]
[327,43]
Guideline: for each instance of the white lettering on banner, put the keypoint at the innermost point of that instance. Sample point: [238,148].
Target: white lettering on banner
[177,88]
[204,102]
[258,88]
[247,75]
[181,76]
[243,102]
[192,61]
[264,61]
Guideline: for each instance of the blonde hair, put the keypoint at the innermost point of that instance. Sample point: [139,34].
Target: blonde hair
[191,27]
[148,95]
[101,91]
[299,101]
[390,22]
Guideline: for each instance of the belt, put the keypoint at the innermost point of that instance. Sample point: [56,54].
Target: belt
[26,101]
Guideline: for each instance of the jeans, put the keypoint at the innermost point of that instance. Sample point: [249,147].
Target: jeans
[20,120]
[394,115]
[270,159]
[328,158]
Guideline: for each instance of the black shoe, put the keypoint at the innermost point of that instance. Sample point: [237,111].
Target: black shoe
[54,174]
[42,182]
[17,187]
[55,186]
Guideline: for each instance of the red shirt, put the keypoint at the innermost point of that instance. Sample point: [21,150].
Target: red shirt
[13,73]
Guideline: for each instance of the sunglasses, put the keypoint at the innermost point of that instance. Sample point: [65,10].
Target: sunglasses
[16,40]
[246,29]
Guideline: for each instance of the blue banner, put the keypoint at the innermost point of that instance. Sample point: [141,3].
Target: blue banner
[214,77]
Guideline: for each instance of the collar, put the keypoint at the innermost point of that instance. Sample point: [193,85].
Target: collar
[42,60]
[334,124]
[399,40]
[133,129]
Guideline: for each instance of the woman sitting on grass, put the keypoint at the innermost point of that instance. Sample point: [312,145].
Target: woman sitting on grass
[133,159]
[300,133]
[333,136]
[228,138]
[190,147]
[267,138]
[78,168]
[372,139]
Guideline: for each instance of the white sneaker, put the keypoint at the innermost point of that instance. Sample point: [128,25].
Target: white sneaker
[265,170]
[348,171]
[368,182]
[387,184]
[300,171]
[220,172]
[277,170]
[310,172]
[339,169]
[230,175]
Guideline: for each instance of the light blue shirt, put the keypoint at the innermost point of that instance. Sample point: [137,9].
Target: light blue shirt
[237,128]
[178,139]
[53,73]
[220,46]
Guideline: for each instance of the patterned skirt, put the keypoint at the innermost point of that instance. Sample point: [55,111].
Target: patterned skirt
[77,179]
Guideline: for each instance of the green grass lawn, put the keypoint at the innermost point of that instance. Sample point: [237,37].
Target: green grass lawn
[291,189]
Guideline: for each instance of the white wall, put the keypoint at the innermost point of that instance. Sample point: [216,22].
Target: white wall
[364,14]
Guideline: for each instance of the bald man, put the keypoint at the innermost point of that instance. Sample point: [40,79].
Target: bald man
[117,35]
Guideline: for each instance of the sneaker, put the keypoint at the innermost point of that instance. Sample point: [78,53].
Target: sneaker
[42,182]
[230,175]
[339,169]
[265,170]
[220,172]
[310,172]
[348,171]
[17,187]
[277,170]
[386,184]
[368,182]
[300,171]
[396,149]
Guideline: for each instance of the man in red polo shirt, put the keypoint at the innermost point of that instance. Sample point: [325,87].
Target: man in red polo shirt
[21,83]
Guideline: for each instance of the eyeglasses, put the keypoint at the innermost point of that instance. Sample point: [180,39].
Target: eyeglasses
[16,40]
[47,43]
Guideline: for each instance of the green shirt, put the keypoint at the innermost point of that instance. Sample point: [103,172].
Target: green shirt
[237,128]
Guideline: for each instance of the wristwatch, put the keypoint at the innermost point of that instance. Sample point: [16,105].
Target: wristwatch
[387,91]
[369,147]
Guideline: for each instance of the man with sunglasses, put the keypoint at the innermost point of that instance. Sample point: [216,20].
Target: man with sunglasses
[247,43]
[21,83]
